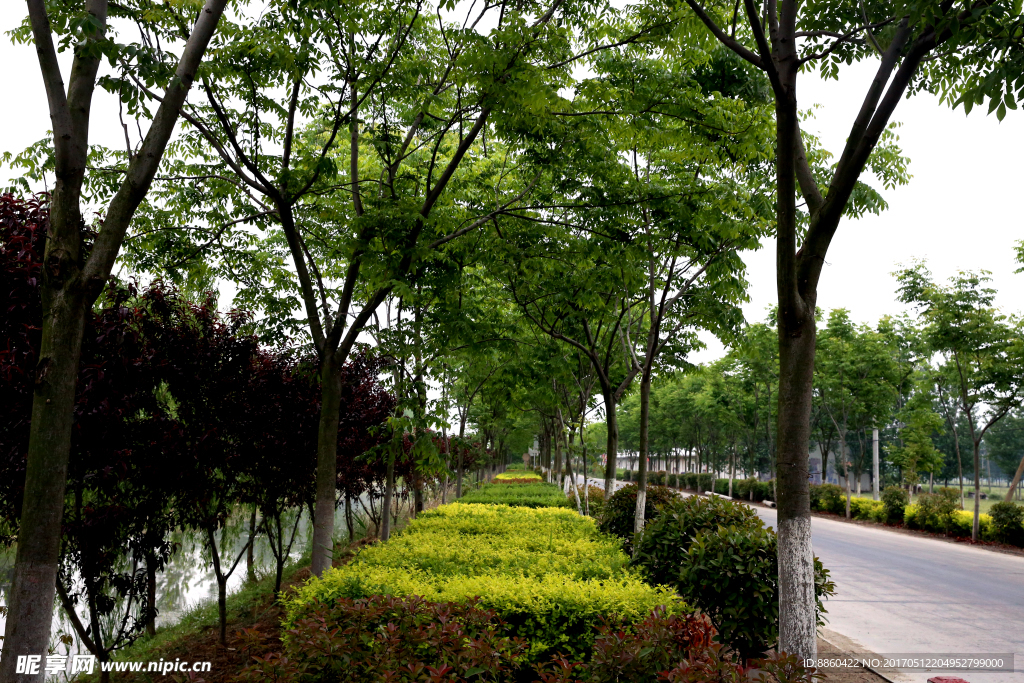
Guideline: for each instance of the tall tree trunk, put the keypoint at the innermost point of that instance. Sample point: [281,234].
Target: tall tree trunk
[846,468]
[70,284]
[641,479]
[976,525]
[559,465]
[732,468]
[389,494]
[797,620]
[150,594]
[349,522]
[326,464]
[30,597]
[1016,481]
[462,435]
[250,564]
[612,444]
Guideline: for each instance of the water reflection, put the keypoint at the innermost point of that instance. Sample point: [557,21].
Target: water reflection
[188,578]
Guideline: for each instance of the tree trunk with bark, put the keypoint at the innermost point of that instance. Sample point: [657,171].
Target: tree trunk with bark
[389,494]
[70,285]
[641,479]
[797,622]
[1016,481]
[326,465]
[612,444]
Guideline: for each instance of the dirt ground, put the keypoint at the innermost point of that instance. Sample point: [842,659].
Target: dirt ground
[827,649]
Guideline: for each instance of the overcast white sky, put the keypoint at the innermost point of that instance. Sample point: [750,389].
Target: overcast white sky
[961,210]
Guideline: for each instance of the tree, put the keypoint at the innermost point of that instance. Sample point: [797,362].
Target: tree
[1006,447]
[855,380]
[983,351]
[369,136]
[915,451]
[782,39]
[73,278]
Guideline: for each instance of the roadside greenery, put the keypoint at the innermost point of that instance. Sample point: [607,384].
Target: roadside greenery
[720,557]
[471,251]
[547,572]
[529,493]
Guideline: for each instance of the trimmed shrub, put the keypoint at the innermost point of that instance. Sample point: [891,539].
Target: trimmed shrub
[619,514]
[547,573]
[741,488]
[731,574]
[936,511]
[518,476]
[387,638]
[894,503]
[596,498]
[524,480]
[405,640]
[667,537]
[531,495]
[828,498]
[1008,523]
[866,508]
[959,524]
[720,557]
[764,490]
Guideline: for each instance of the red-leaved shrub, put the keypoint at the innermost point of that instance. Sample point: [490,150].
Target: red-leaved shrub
[393,639]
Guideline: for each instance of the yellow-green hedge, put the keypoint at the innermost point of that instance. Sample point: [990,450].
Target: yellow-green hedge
[961,523]
[518,474]
[866,508]
[547,572]
[531,495]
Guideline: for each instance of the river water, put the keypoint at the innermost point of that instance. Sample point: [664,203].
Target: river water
[188,579]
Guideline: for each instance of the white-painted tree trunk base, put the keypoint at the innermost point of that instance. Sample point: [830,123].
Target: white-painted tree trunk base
[797,623]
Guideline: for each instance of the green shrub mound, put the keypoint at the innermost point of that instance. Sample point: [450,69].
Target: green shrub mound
[667,536]
[828,498]
[721,558]
[530,495]
[936,511]
[743,488]
[894,502]
[619,513]
[548,573]
[1008,523]
[596,494]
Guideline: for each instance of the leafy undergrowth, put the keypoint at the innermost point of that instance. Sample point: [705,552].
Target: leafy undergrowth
[254,628]
[389,639]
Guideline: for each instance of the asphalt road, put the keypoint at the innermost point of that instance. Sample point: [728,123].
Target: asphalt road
[900,593]
[903,593]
